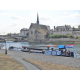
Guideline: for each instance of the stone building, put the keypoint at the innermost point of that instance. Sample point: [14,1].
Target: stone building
[63,30]
[76,32]
[38,32]
[14,35]
[23,32]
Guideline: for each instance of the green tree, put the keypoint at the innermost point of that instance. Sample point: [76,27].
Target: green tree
[27,34]
[76,37]
[79,26]
[9,34]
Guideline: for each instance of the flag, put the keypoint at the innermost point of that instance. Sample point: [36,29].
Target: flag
[70,46]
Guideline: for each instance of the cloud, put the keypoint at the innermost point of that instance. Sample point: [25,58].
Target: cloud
[13,24]
[6,14]
[65,12]
[1,22]
[23,19]
[13,16]
[75,15]
[51,21]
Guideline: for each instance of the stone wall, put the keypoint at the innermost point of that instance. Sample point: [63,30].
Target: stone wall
[76,33]
[61,40]
[35,35]
[62,32]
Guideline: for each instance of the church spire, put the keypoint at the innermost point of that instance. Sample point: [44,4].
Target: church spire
[37,20]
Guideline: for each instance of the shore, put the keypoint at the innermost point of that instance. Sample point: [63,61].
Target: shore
[53,40]
[66,61]
[57,40]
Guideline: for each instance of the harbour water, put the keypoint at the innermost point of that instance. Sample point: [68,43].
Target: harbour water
[75,49]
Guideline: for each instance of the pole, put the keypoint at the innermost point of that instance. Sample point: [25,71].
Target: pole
[5,48]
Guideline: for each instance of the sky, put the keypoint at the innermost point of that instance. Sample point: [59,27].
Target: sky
[12,20]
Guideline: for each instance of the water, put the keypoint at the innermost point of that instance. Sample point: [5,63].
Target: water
[75,49]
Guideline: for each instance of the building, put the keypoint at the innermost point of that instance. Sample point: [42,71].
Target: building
[76,32]
[14,35]
[38,32]
[63,30]
[24,32]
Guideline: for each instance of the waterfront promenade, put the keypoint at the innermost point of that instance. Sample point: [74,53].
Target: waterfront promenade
[67,61]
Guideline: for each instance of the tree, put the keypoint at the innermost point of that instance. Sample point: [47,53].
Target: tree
[76,37]
[27,34]
[79,26]
[9,34]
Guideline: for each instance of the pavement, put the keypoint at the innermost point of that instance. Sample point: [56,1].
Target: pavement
[19,57]
[67,61]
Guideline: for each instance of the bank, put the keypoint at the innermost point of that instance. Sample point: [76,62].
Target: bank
[57,40]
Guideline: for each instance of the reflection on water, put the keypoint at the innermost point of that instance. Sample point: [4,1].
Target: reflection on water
[75,49]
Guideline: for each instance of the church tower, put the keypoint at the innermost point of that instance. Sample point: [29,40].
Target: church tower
[37,20]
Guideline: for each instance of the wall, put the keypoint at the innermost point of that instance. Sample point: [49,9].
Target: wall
[23,33]
[76,33]
[62,32]
[35,36]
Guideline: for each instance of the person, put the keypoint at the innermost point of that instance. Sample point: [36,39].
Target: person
[67,53]
[29,51]
[61,52]
[52,48]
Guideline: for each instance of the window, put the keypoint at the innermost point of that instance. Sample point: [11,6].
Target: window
[63,29]
[57,29]
[68,29]
[36,31]
[31,32]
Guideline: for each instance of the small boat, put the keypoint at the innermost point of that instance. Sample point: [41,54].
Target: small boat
[15,48]
[48,51]
[25,50]
[32,49]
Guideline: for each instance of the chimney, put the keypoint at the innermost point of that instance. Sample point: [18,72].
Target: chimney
[54,27]
[65,25]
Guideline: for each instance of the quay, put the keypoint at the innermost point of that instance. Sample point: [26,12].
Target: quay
[67,61]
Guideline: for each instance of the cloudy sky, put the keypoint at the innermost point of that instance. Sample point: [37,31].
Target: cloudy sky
[11,21]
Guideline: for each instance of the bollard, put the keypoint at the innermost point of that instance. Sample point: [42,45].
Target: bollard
[5,51]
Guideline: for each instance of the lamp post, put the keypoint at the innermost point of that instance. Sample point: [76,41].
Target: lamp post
[5,47]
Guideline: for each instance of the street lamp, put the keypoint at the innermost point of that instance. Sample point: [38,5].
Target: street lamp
[5,47]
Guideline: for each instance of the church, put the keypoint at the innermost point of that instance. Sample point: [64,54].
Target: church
[38,32]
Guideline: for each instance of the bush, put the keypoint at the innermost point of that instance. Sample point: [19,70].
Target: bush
[61,36]
[76,37]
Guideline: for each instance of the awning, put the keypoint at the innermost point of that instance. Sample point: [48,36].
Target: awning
[61,46]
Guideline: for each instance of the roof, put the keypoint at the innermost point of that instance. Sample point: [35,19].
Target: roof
[76,29]
[61,46]
[24,29]
[67,26]
[41,28]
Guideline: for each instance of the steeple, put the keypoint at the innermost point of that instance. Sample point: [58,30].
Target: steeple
[37,20]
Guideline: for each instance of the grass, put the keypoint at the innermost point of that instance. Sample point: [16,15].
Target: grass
[8,63]
[50,66]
